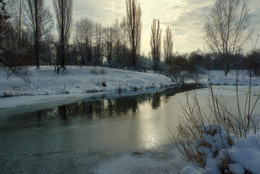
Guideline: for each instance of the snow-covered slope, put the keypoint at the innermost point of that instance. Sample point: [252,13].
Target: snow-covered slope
[80,82]
[45,81]
[75,81]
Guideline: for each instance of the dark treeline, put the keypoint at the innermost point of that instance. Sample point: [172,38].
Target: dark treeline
[197,62]
[97,46]
[27,27]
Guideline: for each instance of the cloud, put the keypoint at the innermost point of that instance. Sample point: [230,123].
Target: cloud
[185,17]
[189,21]
[102,11]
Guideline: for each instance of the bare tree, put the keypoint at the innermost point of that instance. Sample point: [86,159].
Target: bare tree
[98,49]
[20,20]
[124,31]
[78,40]
[121,51]
[168,45]
[3,28]
[85,39]
[3,19]
[155,43]
[134,28]
[109,42]
[63,10]
[125,61]
[6,54]
[22,30]
[227,29]
[16,10]
[118,45]
[252,60]
[39,21]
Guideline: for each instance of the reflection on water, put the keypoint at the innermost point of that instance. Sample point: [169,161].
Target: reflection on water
[74,138]
[107,107]
[102,107]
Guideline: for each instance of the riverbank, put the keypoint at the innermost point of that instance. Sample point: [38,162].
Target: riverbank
[74,84]
[44,86]
[217,77]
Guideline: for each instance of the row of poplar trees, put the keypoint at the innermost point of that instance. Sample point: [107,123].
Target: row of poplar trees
[155,43]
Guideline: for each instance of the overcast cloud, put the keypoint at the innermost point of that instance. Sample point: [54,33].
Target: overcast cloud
[185,17]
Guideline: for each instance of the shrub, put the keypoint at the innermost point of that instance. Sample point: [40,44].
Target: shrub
[202,136]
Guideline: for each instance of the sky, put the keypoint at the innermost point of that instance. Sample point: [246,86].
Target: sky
[186,19]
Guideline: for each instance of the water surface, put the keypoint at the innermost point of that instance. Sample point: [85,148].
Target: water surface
[91,136]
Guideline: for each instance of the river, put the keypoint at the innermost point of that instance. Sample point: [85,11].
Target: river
[105,135]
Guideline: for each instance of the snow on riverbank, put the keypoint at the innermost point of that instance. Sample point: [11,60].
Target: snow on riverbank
[82,82]
[219,78]
[75,81]
[47,89]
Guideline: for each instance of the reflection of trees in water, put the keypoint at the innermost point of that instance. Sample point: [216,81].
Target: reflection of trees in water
[107,108]
[62,112]
[39,116]
[156,100]
[87,109]
[103,108]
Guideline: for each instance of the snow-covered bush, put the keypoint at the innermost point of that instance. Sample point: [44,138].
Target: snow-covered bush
[221,153]
[214,139]
[209,140]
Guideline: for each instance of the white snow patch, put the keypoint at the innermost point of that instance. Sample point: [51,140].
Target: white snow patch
[217,77]
[244,154]
[75,81]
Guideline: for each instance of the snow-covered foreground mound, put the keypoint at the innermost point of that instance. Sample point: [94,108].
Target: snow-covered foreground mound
[241,157]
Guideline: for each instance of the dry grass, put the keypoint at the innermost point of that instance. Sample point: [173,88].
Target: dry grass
[190,135]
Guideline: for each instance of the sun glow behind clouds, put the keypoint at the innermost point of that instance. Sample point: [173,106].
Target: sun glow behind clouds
[185,17]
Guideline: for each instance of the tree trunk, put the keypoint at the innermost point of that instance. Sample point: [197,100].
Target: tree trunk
[36,45]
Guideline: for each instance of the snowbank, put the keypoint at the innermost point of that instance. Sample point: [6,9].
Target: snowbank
[77,81]
[242,157]
[219,78]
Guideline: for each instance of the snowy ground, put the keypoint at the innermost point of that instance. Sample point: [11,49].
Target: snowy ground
[244,154]
[218,78]
[81,82]
[76,83]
